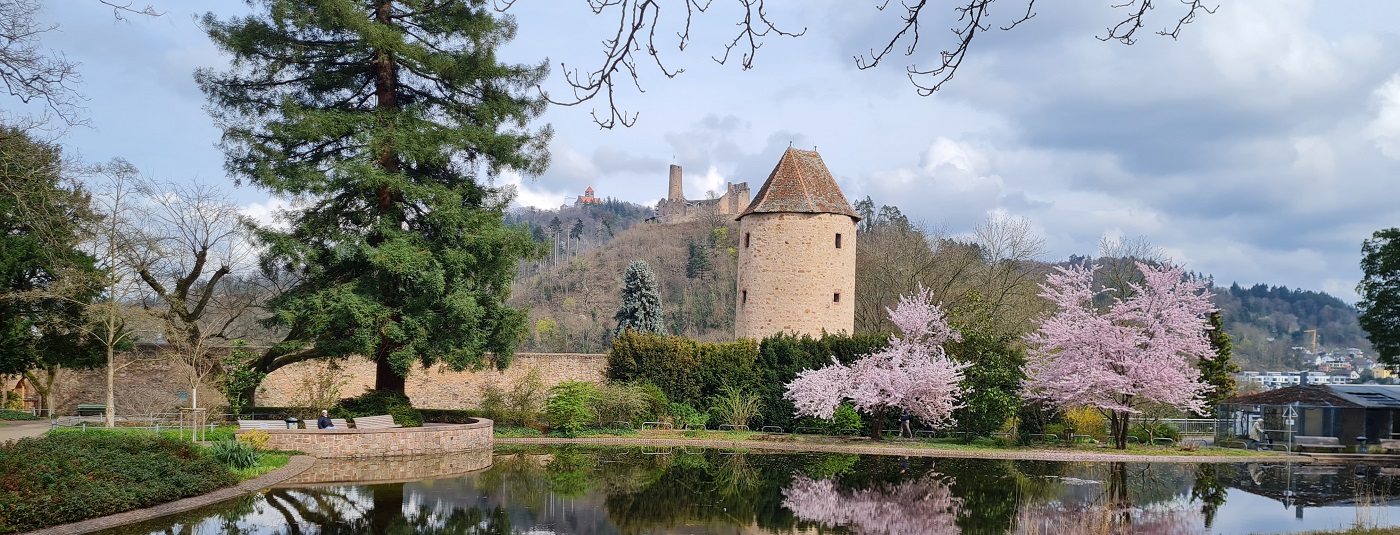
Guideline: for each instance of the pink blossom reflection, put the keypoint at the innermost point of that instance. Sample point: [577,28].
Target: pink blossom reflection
[922,506]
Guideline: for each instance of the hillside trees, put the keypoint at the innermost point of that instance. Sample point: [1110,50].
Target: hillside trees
[1136,351]
[388,119]
[913,373]
[1380,293]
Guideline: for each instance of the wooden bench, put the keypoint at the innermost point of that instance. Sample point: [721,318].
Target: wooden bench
[244,425]
[91,409]
[1390,444]
[382,421]
[1325,443]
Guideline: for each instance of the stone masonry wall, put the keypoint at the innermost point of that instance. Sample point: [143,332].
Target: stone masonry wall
[392,469]
[789,270]
[158,386]
[435,388]
[375,443]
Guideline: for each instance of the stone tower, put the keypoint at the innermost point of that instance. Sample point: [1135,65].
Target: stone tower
[797,253]
[674,192]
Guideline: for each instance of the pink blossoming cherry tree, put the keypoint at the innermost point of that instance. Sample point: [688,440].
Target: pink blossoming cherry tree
[914,373]
[1136,351]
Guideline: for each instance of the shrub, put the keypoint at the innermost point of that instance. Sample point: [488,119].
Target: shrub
[526,398]
[655,405]
[377,402]
[237,454]
[1146,431]
[570,407]
[687,417]
[734,406]
[452,416]
[617,403]
[6,414]
[256,438]
[1087,421]
[68,477]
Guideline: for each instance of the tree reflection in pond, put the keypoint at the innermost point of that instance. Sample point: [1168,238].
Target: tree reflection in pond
[923,505]
[609,490]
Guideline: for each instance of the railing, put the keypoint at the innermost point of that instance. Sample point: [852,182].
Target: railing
[154,423]
[1185,426]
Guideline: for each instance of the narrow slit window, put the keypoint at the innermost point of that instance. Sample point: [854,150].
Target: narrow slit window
[746,240]
[744,297]
[836,297]
[838,240]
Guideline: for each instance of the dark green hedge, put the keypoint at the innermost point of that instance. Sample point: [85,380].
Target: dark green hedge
[691,372]
[16,415]
[74,476]
[449,416]
[377,402]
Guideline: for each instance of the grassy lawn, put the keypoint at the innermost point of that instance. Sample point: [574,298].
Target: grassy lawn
[270,461]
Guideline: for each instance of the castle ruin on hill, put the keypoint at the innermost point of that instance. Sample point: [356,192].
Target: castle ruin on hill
[675,207]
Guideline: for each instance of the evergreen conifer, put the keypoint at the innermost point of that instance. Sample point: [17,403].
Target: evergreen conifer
[641,301]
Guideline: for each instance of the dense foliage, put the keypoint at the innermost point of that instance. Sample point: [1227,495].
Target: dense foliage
[74,476]
[1219,370]
[570,407]
[377,402]
[695,373]
[46,281]
[992,379]
[389,120]
[1380,292]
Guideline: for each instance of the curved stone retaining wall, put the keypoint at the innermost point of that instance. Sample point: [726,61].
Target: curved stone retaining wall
[432,439]
[392,469]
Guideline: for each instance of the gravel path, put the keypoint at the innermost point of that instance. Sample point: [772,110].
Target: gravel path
[17,430]
[890,448]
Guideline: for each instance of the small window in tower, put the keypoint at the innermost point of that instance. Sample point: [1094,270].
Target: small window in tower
[744,297]
[836,297]
[746,240]
[838,240]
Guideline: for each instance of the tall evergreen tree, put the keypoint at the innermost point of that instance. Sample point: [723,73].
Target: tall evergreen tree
[641,301]
[1218,372]
[389,118]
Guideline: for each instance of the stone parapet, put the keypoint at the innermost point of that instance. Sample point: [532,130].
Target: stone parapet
[392,469]
[432,439]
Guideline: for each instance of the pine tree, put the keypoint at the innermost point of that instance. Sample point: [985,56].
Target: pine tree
[389,119]
[1219,371]
[641,301]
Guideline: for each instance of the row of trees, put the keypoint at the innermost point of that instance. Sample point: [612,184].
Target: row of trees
[1115,350]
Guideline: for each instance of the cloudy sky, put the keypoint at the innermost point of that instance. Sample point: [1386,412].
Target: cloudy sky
[1261,146]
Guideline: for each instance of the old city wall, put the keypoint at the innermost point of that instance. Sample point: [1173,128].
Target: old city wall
[434,388]
[790,271]
[430,440]
[159,386]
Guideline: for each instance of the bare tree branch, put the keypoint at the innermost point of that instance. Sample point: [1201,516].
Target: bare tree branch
[638,20]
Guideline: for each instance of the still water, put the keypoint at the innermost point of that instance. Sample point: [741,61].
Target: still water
[588,490]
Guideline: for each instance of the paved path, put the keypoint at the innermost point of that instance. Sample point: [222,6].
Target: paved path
[893,448]
[16,430]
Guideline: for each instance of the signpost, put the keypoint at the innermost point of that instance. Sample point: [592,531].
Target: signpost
[1290,417]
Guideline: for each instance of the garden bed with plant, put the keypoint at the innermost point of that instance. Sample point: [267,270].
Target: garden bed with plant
[71,475]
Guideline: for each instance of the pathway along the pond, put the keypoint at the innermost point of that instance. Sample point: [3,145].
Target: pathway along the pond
[894,448]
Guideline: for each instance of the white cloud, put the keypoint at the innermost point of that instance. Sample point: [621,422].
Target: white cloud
[1384,130]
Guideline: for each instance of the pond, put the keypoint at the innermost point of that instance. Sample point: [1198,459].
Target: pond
[607,490]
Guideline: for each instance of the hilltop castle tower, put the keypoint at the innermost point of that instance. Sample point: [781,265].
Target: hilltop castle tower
[675,208]
[797,253]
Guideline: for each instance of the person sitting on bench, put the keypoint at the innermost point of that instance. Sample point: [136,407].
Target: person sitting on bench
[324,422]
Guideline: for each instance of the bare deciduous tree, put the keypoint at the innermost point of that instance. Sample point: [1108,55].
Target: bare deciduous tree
[641,34]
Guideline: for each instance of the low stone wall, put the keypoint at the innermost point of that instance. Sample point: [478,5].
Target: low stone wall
[392,469]
[376,443]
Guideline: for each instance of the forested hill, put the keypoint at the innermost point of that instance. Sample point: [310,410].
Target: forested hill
[1267,321]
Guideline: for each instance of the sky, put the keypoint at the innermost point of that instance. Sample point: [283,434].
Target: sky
[1261,146]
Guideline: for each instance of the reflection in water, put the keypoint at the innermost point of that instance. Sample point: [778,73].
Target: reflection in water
[924,505]
[606,491]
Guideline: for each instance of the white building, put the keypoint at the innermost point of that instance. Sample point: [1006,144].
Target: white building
[1272,380]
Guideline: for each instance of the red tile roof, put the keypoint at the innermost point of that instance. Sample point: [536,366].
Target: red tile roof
[800,183]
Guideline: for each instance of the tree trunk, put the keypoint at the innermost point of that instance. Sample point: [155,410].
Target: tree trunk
[110,417]
[44,388]
[385,378]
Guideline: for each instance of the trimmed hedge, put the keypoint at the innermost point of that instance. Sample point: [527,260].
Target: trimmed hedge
[377,402]
[74,476]
[6,414]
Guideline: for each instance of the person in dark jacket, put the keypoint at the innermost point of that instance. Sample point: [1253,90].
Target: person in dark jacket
[324,422]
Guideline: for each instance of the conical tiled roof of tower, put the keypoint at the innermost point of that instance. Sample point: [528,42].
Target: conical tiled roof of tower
[800,183]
